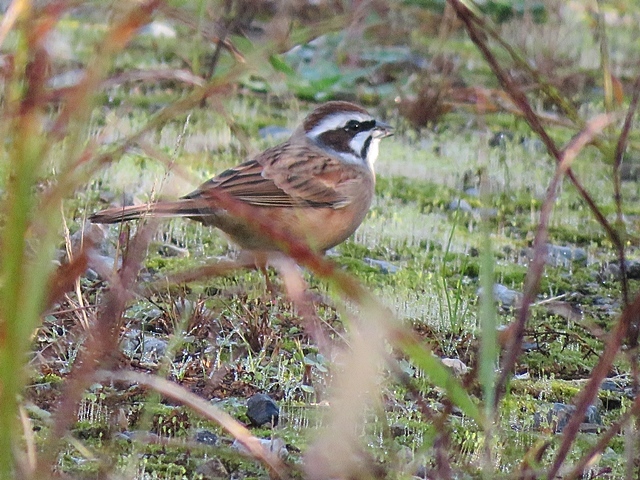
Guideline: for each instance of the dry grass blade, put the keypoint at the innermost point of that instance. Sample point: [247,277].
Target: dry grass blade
[64,278]
[536,268]
[603,441]
[621,146]
[590,390]
[13,13]
[204,408]
[471,23]
[101,345]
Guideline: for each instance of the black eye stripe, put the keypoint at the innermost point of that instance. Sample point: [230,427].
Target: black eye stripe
[356,126]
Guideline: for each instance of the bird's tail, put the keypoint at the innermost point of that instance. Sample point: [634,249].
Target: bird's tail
[179,208]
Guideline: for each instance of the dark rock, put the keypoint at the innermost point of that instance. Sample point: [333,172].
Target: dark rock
[262,410]
[593,415]
[213,469]
[500,139]
[206,437]
[610,386]
[633,269]
[559,415]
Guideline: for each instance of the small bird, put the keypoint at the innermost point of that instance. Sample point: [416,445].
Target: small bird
[316,186]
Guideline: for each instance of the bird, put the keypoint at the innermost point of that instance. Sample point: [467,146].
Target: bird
[317,186]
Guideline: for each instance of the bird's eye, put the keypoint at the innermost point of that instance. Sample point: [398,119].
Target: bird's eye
[352,126]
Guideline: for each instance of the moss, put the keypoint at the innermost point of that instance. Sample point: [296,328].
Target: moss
[426,195]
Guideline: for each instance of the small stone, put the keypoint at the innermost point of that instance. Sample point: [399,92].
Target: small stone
[274,132]
[157,29]
[148,348]
[500,139]
[382,265]
[458,366]
[206,437]
[460,204]
[504,295]
[276,447]
[262,410]
[633,269]
[213,469]
[564,256]
[169,250]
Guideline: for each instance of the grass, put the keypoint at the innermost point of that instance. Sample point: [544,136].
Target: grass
[358,372]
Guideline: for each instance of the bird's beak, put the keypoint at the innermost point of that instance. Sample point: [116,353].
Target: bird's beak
[382,130]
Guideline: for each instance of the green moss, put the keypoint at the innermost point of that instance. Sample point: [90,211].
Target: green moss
[427,195]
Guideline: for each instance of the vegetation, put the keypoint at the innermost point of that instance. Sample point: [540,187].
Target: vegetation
[482,322]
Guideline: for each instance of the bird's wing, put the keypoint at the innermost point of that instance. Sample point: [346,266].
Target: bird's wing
[279,177]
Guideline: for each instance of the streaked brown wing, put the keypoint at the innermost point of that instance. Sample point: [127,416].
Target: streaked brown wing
[279,178]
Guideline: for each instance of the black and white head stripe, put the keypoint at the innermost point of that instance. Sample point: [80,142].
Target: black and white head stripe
[351,122]
[346,131]
[325,111]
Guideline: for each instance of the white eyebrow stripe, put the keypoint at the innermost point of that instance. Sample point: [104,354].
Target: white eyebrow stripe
[335,121]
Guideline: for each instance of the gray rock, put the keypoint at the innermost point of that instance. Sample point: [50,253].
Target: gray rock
[169,250]
[564,256]
[382,265]
[276,447]
[274,132]
[144,346]
[504,295]
[460,204]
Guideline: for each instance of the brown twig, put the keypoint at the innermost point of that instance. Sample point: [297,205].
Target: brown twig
[101,344]
[471,23]
[590,390]
[603,441]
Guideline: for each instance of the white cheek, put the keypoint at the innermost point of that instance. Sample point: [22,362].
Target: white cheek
[357,143]
[374,148]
